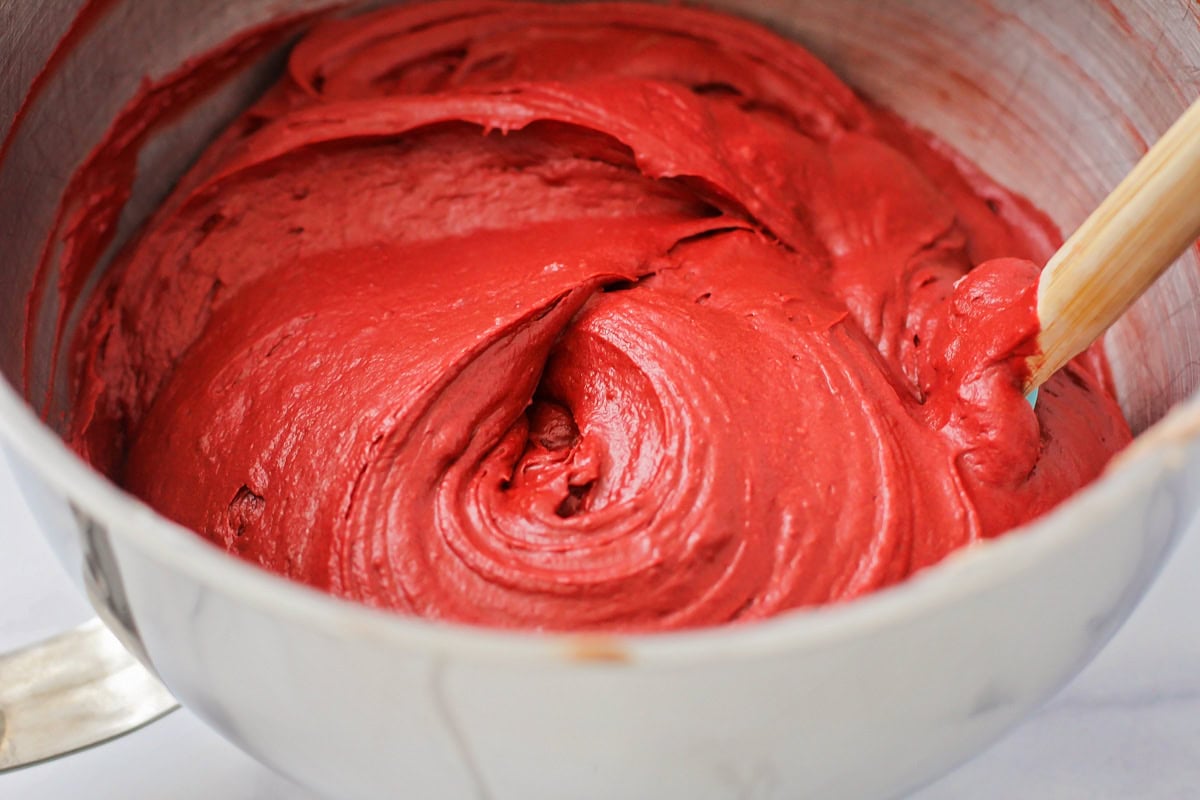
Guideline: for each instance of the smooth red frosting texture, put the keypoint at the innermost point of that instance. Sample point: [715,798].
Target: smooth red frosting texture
[584,317]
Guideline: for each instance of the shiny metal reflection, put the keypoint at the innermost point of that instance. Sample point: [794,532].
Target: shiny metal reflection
[72,691]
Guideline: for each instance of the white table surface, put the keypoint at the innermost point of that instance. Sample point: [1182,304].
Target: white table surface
[1128,728]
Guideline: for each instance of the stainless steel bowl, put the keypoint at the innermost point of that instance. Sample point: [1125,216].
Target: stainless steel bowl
[865,700]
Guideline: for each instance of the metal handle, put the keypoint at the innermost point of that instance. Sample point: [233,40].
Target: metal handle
[73,691]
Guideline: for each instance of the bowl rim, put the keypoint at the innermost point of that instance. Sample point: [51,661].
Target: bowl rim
[1162,449]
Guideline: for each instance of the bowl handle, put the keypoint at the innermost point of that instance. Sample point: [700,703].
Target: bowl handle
[72,691]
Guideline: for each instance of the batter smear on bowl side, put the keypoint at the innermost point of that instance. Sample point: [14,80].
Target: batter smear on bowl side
[601,316]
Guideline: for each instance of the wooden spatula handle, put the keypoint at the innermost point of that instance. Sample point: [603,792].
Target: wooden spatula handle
[1128,241]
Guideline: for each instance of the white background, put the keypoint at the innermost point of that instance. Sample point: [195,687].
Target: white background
[1127,729]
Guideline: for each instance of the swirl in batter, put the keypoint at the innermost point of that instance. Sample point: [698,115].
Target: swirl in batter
[597,316]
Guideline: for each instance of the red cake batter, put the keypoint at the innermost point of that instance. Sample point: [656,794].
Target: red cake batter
[594,316]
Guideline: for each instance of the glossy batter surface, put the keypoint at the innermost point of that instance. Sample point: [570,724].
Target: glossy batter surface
[586,317]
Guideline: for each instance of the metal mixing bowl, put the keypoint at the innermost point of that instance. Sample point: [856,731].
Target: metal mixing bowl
[865,700]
